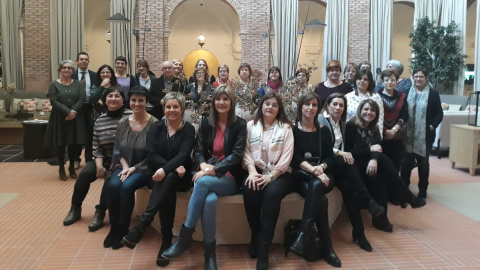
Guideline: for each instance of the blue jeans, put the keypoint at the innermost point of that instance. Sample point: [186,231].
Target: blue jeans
[121,198]
[203,203]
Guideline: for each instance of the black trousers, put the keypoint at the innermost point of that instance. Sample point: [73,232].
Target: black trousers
[163,200]
[89,124]
[394,149]
[72,151]
[87,176]
[423,169]
[263,206]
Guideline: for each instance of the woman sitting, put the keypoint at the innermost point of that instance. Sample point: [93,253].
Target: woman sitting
[313,162]
[267,158]
[362,139]
[219,151]
[169,144]
[129,166]
[103,139]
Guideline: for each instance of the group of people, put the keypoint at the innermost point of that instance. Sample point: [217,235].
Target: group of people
[344,133]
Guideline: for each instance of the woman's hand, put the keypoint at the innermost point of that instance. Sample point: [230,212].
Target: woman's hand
[252,181]
[317,170]
[376,148]
[324,178]
[262,181]
[71,115]
[101,172]
[197,176]
[180,171]
[106,82]
[208,169]
[389,134]
[372,167]
[159,175]
[126,172]
[347,156]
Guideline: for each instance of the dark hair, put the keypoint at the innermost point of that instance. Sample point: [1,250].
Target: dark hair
[206,65]
[217,92]
[206,75]
[247,65]
[364,63]
[138,90]
[303,70]
[82,53]
[387,73]
[371,82]
[143,63]
[113,79]
[358,118]
[121,58]
[309,95]
[110,90]
[272,69]
[281,115]
[420,69]
[332,97]
[332,64]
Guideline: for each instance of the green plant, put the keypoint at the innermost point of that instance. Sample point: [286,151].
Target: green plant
[437,49]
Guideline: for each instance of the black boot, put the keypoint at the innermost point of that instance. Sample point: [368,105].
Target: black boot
[361,240]
[72,216]
[422,193]
[307,242]
[117,240]
[374,208]
[262,260]
[183,243]
[61,172]
[166,243]
[134,235]
[328,253]
[97,221]
[382,223]
[253,246]
[210,256]
[416,202]
[108,242]
[71,170]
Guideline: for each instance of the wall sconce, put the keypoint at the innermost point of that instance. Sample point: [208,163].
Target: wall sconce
[201,40]
[118,18]
[265,35]
[136,32]
[108,36]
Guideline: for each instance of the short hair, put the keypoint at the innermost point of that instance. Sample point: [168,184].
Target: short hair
[121,58]
[206,75]
[223,66]
[309,95]
[350,66]
[281,115]
[178,97]
[63,62]
[247,65]
[333,64]
[110,90]
[371,81]
[398,66]
[387,73]
[420,69]
[358,118]
[293,78]
[364,63]
[143,63]
[206,65]
[303,70]
[138,90]
[332,97]
[272,69]
[176,60]
[170,62]
[113,79]
[217,92]
[82,53]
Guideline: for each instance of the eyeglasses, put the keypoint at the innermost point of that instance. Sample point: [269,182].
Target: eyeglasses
[105,73]
[67,68]
[167,68]
[223,71]
[268,104]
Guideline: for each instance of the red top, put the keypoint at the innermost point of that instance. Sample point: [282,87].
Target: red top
[218,147]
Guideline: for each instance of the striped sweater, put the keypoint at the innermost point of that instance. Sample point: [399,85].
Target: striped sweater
[104,136]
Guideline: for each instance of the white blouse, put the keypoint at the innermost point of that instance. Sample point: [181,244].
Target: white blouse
[353,101]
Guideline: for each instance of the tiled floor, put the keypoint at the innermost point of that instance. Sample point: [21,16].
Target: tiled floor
[438,236]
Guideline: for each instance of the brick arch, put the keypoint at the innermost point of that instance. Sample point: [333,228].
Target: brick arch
[406,2]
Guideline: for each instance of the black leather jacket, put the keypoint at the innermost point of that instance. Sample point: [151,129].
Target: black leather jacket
[234,146]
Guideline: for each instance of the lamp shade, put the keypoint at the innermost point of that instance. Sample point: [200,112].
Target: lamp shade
[201,40]
[315,23]
[118,18]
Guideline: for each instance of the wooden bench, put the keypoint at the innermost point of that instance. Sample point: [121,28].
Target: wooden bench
[232,225]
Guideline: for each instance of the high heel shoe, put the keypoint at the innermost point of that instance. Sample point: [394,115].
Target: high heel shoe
[362,241]
[375,209]
[382,223]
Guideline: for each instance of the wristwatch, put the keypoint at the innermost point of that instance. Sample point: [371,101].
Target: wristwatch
[272,177]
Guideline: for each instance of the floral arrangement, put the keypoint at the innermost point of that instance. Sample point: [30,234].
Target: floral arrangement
[309,69]
[290,97]
[201,108]
[245,95]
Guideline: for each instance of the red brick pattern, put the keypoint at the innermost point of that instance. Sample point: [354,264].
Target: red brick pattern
[358,30]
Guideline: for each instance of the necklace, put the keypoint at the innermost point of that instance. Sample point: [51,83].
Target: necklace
[307,155]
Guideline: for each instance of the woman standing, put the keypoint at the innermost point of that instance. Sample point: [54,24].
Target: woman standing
[129,166]
[303,76]
[333,84]
[144,77]
[364,85]
[349,73]
[274,82]
[245,92]
[66,125]
[267,158]
[313,162]
[178,71]
[125,80]
[169,144]
[105,79]
[403,84]
[201,63]
[223,73]
[200,85]
[219,151]
[103,139]
[425,114]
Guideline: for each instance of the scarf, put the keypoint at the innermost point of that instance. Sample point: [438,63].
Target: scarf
[416,132]
[274,86]
[275,147]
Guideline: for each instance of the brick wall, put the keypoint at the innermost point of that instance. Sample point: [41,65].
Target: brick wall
[358,30]
[36,45]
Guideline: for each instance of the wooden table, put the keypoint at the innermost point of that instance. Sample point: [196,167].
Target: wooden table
[464,146]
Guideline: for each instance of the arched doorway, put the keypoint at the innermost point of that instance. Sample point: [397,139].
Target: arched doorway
[191,59]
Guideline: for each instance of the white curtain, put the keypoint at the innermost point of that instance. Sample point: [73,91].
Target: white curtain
[476,80]
[335,41]
[381,29]
[427,8]
[285,22]
[66,31]
[121,41]
[11,49]
[456,10]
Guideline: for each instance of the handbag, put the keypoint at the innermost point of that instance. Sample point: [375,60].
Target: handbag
[309,244]
[290,233]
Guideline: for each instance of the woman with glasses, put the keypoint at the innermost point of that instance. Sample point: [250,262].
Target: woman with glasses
[200,85]
[222,75]
[66,125]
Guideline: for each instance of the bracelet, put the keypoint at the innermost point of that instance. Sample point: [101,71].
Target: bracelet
[272,177]
[324,166]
